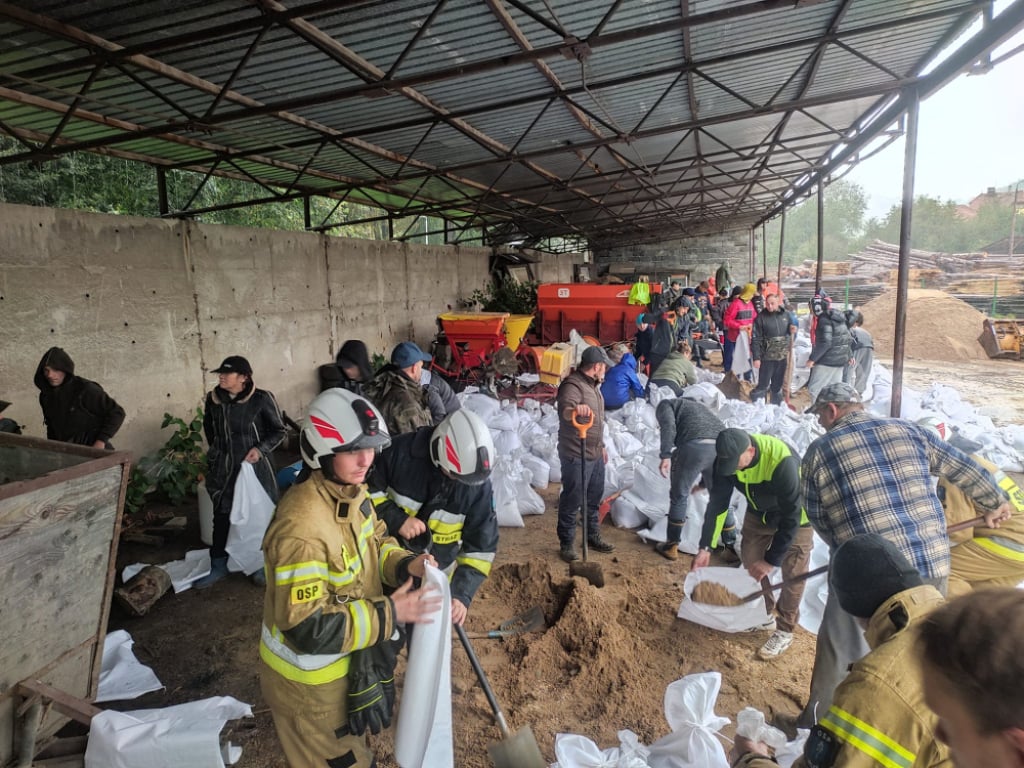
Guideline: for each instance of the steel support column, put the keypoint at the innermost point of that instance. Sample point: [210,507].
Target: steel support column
[903,269]
[764,250]
[161,191]
[782,245]
[821,234]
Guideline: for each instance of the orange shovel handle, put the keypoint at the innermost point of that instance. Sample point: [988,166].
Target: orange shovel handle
[582,427]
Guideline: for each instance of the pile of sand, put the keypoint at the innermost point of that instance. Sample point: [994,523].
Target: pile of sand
[939,326]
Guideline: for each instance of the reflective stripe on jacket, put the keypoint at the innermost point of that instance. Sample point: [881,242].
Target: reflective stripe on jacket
[327,559]
[463,526]
[1005,541]
[878,713]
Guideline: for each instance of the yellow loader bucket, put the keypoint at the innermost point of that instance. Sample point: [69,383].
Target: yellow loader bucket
[516,327]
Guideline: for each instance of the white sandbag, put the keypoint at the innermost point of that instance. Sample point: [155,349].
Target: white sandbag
[690,711]
[555,475]
[506,508]
[706,394]
[726,618]
[650,492]
[741,362]
[812,604]
[574,751]
[506,442]
[625,514]
[182,736]
[487,408]
[423,732]
[251,510]
[656,394]
[626,445]
[695,507]
[539,470]
[528,500]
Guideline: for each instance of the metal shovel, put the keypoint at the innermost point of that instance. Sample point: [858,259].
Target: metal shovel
[515,750]
[530,621]
[592,572]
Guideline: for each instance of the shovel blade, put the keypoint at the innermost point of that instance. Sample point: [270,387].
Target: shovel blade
[518,750]
[587,570]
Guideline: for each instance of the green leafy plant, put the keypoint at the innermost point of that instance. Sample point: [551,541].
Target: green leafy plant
[174,470]
[507,295]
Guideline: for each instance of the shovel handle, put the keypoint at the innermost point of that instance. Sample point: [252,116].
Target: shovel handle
[582,427]
[973,522]
[484,682]
[795,580]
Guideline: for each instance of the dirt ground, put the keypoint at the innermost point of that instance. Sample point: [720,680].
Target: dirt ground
[601,664]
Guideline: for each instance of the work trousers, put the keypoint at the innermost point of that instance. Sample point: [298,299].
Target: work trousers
[974,567]
[771,377]
[665,383]
[728,348]
[840,643]
[311,722]
[574,489]
[692,460]
[822,376]
[757,537]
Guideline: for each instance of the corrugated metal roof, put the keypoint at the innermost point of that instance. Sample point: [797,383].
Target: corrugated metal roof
[549,117]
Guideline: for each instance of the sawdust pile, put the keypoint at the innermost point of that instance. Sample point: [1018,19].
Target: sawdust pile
[939,326]
[710,593]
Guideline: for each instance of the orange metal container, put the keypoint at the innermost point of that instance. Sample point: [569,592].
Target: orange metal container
[591,309]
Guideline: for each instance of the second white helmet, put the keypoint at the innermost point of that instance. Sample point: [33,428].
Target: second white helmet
[462,446]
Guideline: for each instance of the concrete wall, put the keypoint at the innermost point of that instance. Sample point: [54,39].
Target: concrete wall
[147,307]
[700,255]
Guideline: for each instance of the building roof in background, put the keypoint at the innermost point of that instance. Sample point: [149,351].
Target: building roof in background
[617,122]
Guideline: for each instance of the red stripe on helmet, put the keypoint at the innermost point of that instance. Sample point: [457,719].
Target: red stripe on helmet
[326,429]
[453,457]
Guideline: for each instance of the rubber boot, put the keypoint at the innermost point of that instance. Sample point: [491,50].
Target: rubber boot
[218,570]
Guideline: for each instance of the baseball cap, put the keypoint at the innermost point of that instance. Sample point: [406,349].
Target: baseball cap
[407,353]
[839,392]
[234,364]
[866,571]
[729,446]
[592,355]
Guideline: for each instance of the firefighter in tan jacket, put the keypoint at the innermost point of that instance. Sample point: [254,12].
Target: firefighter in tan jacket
[878,715]
[327,654]
[984,557]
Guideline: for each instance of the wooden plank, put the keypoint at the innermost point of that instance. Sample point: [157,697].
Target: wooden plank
[58,539]
[77,709]
[67,462]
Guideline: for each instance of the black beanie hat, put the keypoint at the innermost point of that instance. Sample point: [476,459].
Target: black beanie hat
[866,571]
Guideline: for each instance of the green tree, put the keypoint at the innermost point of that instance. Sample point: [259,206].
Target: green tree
[845,205]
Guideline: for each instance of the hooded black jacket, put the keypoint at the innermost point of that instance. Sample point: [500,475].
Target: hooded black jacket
[460,518]
[233,426]
[78,411]
[832,340]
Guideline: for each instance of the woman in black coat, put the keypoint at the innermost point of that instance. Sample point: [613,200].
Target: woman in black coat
[242,424]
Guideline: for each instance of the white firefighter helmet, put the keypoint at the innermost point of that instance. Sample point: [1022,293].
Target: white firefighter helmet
[936,425]
[339,421]
[461,446]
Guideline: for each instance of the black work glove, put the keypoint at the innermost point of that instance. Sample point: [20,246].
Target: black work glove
[371,688]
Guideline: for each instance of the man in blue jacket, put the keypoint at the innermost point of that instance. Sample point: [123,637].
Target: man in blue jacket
[621,384]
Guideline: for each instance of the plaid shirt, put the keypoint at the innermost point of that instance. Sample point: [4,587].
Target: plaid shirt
[872,475]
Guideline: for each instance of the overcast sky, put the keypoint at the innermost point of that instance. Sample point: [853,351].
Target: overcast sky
[970,138]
